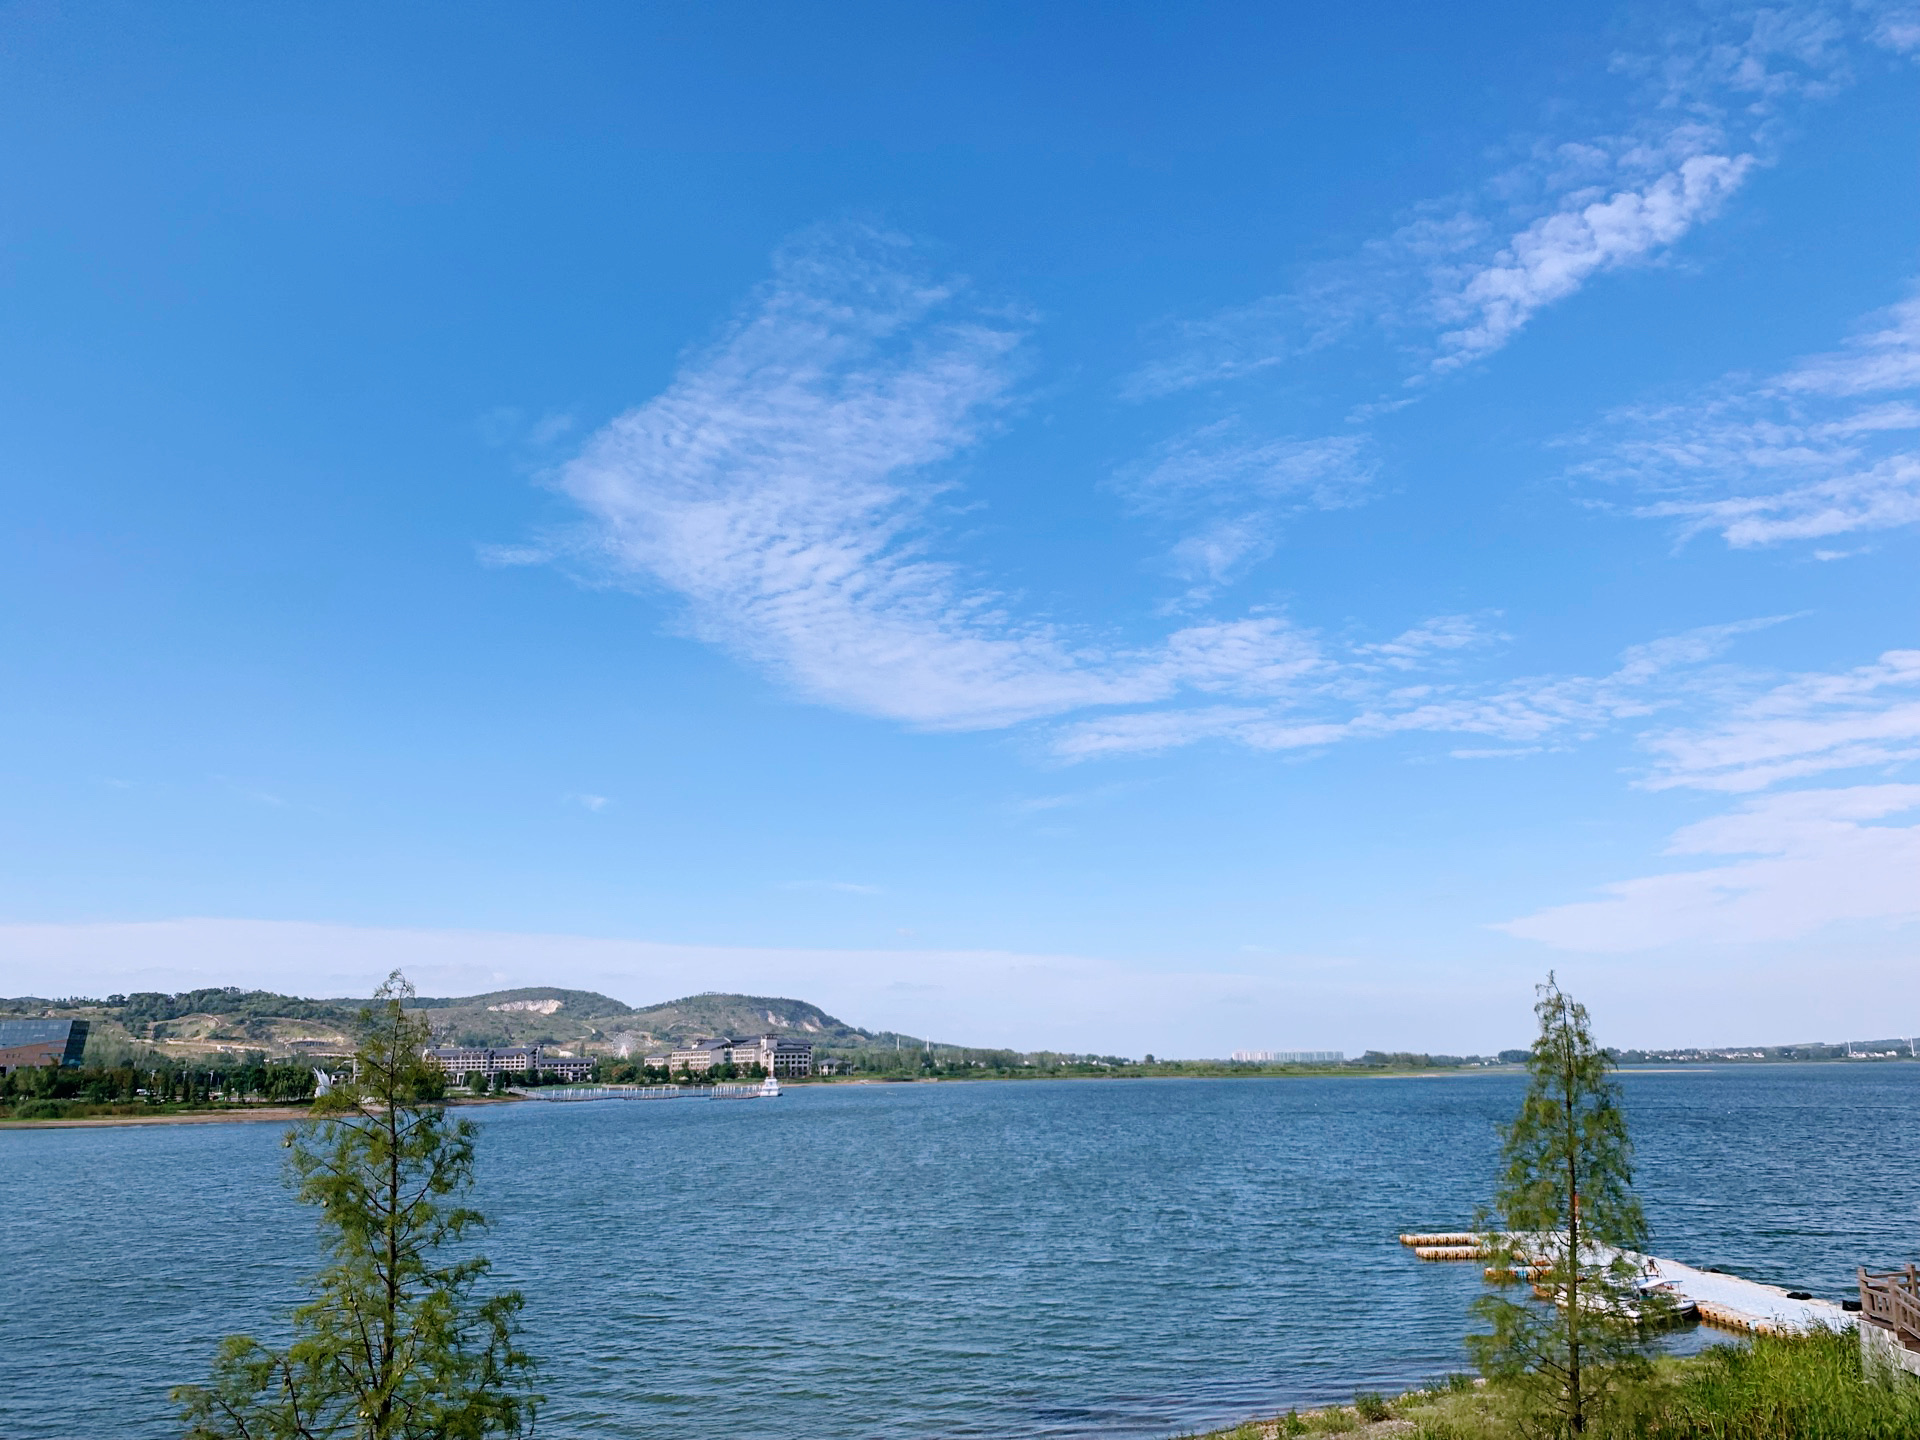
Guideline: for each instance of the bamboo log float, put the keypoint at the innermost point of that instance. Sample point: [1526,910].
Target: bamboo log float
[1447,1237]
[1721,1318]
[1450,1252]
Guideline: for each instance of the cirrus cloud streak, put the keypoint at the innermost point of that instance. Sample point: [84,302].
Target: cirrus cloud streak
[1830,446]
[784,488]
[1818,860]
[1807,858]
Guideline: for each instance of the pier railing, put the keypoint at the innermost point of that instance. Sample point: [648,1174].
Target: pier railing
[758,1090]
[1892,1298]
[599,1092]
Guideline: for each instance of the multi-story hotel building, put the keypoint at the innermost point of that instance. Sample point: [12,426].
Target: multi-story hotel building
[461,1061]
[775,1054]
[699,1057]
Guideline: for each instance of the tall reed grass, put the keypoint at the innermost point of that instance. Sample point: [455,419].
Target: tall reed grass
[1777,1387]
[1773,1387]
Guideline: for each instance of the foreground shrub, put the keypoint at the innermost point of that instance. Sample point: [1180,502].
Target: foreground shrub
[1371,1405]
[1564,1209]
[1786,1387]
[396,1343]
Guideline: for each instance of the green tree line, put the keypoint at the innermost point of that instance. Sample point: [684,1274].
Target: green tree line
[50,1091]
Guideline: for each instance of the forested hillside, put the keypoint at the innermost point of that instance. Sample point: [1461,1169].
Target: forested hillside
[231,1021]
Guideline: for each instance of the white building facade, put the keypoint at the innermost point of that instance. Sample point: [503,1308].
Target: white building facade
[776,1055]
[461,1062]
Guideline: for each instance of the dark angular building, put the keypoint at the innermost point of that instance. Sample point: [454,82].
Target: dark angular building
[33,1043]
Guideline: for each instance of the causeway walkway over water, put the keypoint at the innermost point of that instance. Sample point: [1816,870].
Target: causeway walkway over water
[758,1090]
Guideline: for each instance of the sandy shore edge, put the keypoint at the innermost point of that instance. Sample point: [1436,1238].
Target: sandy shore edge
[249,1115]
[197,1117]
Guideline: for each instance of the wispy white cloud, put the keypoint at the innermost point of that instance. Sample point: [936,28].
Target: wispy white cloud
[1412,648]
[1808,725]
[1218,459]
[1830,446]
[1489,301]
[1219,552]
[1259,656]
[1806,858]
[1235,492]
[1462,275]
[1816,859]
[1356,695]
[506,556]
[1233,343]
[779,483]
[1894,27]
[781,487]
[1466,274]
[1758,56]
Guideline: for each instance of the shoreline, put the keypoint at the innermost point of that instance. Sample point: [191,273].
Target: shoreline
[239,1115]
[185,1117]
[261,1114]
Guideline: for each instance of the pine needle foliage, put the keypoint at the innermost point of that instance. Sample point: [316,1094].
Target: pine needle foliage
[396,1343]
[1563,1214]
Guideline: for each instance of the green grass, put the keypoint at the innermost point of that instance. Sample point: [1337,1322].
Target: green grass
[1805,1387]
[1372,1407]
[66,1109]
[1787,1387]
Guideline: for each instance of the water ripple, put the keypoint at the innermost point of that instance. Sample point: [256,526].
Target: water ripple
[990,1260]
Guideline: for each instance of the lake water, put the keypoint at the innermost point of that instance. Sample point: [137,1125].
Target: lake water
[1123,1258]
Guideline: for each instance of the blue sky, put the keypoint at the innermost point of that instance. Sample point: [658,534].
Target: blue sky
[1099,526]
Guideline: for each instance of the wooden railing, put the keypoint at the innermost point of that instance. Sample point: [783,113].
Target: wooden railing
[1892,1298]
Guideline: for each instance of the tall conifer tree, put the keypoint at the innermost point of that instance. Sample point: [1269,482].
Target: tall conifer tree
[395,1344]
[1564,1216]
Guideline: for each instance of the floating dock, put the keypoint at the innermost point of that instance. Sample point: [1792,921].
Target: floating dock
[1728,1302]
[1732,1303]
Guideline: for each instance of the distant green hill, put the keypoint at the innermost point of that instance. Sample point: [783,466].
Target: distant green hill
[543,1015]
[716,1014]
[223,1021]
[532,1015]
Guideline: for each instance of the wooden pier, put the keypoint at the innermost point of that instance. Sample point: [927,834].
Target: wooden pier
[1890,1315]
